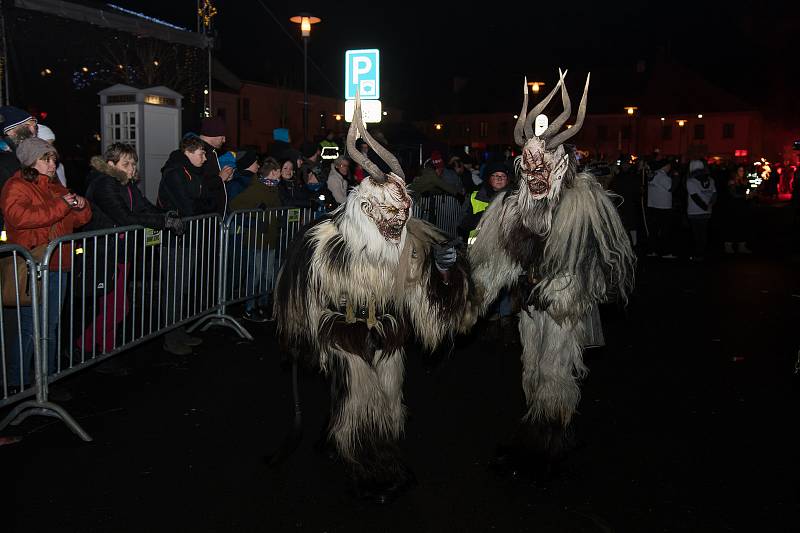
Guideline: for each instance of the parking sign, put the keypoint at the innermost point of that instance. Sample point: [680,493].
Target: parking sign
[362,74]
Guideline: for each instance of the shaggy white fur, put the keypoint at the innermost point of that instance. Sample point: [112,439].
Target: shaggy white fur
[586,259]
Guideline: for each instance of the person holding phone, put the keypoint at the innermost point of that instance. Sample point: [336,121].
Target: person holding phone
[37,210]
[215,175]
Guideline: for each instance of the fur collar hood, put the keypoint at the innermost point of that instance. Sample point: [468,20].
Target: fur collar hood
[102,167]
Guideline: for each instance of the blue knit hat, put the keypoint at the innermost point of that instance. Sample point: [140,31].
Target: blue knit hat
[11,117]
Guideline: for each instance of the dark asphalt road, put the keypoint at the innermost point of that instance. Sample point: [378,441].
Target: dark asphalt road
[686,424]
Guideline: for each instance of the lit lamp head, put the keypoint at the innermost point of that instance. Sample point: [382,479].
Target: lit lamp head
[305,20]
[535,86]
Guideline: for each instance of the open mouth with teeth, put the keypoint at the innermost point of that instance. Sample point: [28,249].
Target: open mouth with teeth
[538,186]
[392,230]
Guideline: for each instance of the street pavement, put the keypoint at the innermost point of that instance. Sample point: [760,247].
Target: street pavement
[686,424]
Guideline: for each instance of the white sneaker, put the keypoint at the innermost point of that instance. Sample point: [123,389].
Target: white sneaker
[728,247]
[742,248]
[669,256]
[652,254]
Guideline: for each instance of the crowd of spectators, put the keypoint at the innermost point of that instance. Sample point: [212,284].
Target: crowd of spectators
[671,210]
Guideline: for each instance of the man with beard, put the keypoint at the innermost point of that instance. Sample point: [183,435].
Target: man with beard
[556,241]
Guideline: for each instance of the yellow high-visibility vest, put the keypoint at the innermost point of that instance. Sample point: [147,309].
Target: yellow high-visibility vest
[478,206]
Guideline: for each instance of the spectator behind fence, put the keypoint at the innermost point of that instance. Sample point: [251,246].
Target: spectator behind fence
[38,209]
[262,193]
[181,187]
[431,181]
[292,191]
[337,179]
[474,206]
[659,210]
[464,173]
[246,168]
[18,125]
[702,194]
[117,201]
[320,198]
[215,176]
[478,201]
[358,172]
[47,134]
[181,190]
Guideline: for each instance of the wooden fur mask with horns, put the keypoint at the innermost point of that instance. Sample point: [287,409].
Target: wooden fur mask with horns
[545,165]
[381,197]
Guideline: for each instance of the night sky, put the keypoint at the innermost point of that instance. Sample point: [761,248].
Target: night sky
[747,51]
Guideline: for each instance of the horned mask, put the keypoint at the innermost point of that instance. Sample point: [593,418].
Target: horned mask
[382,196]
[544,161]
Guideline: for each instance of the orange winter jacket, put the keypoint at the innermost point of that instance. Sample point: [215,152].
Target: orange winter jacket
[32,208]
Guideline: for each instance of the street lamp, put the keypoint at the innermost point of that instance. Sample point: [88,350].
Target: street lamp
[681,124]
[305,20]
[536,86]
[631,110]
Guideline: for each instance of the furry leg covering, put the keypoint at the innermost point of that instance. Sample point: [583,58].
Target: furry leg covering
[552,366]
[367,418]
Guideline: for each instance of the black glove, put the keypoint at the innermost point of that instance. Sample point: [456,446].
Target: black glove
[444,255]
[173,222]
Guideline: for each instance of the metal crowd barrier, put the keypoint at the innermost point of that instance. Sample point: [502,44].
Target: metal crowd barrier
[442,211]
[257,240]
[103,292]
[15,363]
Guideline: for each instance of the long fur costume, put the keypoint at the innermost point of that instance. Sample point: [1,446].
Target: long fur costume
[563,249]
[348,297]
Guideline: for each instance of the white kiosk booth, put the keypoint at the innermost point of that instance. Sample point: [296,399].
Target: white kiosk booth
[150,120]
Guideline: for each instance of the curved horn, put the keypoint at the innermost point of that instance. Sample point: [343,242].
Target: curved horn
[555,126]
[356,127]
[536,111]
[566,134]
[519,129]
[378,148]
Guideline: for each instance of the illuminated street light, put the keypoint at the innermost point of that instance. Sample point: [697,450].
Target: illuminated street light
[536,86]
[631,109]
[681,123]
[700,116]
[437,126]
[305,20]
[85,69]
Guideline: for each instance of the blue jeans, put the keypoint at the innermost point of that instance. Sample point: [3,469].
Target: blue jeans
[19,363]
[262,277]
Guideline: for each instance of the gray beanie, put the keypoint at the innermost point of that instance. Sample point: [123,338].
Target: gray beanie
[31,150]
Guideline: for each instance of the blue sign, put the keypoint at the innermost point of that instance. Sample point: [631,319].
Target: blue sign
[362,74]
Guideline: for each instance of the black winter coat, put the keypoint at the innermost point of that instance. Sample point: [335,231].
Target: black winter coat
[214,193]
[181,187]
[293,195]
[115,204]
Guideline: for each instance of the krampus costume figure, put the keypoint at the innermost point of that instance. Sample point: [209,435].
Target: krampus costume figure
[354,285]
[558,243]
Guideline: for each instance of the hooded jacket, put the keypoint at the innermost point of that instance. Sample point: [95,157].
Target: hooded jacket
[117,201]
[181,187]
